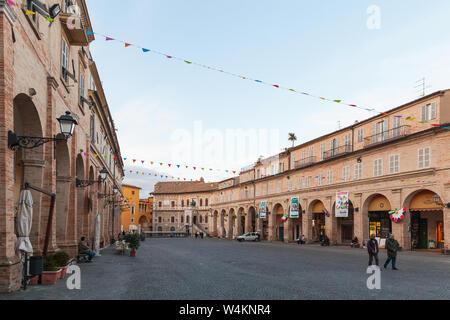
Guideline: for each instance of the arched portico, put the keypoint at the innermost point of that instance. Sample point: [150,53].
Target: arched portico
[231,222]
[240,222]
[276,226]
[317,211]
[81,197]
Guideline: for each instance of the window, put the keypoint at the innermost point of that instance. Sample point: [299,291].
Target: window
[320,182]
[279,187]
[201,202]
[303,156]
[206,219]
[271,188]
[31,7]
[322,151]
[300,183]
[378,167]
[360,135]
[290,185]
[159,219]
[307,182]
[92,84]
[358,171]
[82,89]
[172,219]
[311,152]
[293,161]
[424,158]
[201,219]
[329,177]
[132,220]
[397,127]
[334,145]
[429,112]
[160,204]
[64,60]
[394,163]
[182,219]
[348,142]
[132,192]
[264,192]
[67,5]
[132,209]
[206,202]
[172,204]
[182,203]
[346,174]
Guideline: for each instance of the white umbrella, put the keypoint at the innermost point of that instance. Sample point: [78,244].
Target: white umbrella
[24,219]
[97,234]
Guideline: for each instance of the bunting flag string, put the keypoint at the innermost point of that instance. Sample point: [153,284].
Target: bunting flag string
[179,166]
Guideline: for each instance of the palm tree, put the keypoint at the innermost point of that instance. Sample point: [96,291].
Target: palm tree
[293,138]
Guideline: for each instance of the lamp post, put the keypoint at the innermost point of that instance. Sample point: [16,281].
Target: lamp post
[67,126]
[87,183]
[437,200]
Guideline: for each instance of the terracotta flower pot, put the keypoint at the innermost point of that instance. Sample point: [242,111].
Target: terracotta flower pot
[132,253]
[33,281]
[63,271]
[51,277]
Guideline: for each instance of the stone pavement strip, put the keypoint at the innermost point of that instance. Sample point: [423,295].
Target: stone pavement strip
[213,269]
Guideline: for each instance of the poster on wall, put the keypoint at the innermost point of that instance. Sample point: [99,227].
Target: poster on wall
[263,210]
[293,210]
[342,204]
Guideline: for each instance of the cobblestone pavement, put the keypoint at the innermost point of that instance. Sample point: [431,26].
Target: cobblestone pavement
[215,269]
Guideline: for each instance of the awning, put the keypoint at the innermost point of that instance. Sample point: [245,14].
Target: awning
[24,220]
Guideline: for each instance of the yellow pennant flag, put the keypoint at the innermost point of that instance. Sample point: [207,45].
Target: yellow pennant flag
[28,12]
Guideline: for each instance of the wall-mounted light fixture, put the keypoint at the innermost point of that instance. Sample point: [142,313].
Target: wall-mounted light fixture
[438,201]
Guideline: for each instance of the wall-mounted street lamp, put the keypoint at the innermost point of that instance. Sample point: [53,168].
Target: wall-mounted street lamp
[87,183]
[67,125]
[437,200]
[101,196]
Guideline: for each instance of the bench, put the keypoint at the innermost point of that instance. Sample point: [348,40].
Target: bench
[82,257]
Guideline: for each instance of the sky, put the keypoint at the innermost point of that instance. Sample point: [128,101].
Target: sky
[174,113]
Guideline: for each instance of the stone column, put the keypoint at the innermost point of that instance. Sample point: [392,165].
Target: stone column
[272,223]
[446,216]
[248,222]
[61,209]
[331,221]
[400,229]
[10,266]
[288,232]
[306,220]
[360,220]
[238,224]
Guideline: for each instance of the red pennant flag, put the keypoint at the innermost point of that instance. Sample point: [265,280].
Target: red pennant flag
[127,45]
[170,57]
[276,86]
[234,171]
[170,165]
[195,168]
[134,160]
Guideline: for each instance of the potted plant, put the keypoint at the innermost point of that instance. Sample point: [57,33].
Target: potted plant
[133,242]
[51,273]
[62,262]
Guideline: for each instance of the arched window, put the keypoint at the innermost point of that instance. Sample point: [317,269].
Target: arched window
[206,219]
[159,228]
[182,219]
[172,229]
[182,203]
[187,219]
[159,219]
[201,202]
[206,202]
[201,219]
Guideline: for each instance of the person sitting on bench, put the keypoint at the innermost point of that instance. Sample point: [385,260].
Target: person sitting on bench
[326,241]
[301,240]
[83,248]
[355,243]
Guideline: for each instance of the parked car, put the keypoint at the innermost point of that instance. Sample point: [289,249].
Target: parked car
[251,236]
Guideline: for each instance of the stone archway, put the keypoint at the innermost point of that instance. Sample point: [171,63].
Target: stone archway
[295,226]
[214,224]
[376,209]
[29,164]
[345,231]
[251,217]
[63,186]
[222,232]
[317,212]
[426,219]
[276,226]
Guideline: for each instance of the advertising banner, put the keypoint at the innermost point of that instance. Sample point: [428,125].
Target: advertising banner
[263,210]
[294,208]
[342,204]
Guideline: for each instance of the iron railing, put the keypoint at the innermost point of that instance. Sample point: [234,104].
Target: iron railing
[337,151]
[304,162]
[387,135]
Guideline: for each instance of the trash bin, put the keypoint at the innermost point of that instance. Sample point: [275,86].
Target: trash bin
[36,265]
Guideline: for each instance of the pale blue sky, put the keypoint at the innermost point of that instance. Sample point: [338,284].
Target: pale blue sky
[322,47]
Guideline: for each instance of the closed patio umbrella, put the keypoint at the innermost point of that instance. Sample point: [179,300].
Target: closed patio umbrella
[24,219]
[97,234]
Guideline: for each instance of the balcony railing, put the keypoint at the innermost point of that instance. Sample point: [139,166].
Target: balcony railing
[304,162]
[388,135]
[337,151]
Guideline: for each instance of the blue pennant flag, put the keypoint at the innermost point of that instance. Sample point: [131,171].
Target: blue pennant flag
[89,32]
[145,50]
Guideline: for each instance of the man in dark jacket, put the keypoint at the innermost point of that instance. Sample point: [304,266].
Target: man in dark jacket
[392,247]
[372,248]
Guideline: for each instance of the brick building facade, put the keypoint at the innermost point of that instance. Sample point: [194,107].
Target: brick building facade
[46,70]
[394,160]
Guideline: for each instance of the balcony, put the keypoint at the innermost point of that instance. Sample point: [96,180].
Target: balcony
[76,35]
[332,153]
[388,135]
[304,162]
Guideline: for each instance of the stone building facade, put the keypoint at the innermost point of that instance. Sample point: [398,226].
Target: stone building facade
[394,160]
[46,70]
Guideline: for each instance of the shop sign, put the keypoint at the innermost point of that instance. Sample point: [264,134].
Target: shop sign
[294,208]
[342,204]
[263,210]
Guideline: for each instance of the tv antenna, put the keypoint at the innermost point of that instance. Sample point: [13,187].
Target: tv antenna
[422,87]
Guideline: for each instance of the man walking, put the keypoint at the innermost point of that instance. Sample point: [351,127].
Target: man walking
[372,248]
[392,246]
